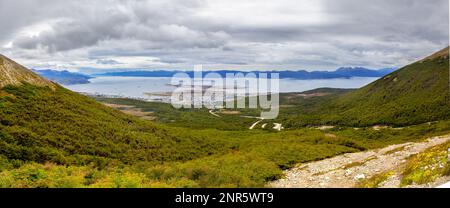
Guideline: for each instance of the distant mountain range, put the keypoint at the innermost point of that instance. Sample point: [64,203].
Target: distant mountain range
[69,78]
[64,77]
[344,72]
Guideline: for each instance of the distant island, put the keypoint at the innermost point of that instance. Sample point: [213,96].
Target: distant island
[343,72]
[64,77]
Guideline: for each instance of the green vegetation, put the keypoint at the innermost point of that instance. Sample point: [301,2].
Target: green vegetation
[43,125]
[187,118]
[427,166]
[47,134]
[201,118]
[375,181]
[57,176]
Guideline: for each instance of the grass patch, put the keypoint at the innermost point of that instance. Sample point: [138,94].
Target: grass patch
[358,163]
[375,180]
[392,151]
[427,166]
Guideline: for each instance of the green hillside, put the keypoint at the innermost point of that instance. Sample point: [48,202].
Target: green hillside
[414,94]
[52,124]
[40,124]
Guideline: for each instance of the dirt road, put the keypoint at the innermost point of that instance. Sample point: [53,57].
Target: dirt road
[214,114]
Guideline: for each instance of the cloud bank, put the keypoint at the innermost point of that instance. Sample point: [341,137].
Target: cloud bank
[105,35]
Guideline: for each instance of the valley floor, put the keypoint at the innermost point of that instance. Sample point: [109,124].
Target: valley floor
[384,167]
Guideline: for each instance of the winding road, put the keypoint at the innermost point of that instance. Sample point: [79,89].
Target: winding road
[256,123]
[214,114]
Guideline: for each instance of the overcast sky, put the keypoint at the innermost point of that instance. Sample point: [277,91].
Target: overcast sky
[90,36]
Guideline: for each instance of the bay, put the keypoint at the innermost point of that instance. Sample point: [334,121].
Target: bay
[137,87]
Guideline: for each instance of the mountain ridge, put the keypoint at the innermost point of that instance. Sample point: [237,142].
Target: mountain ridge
[63,77]
[343,72]
[12,73]
[444,53]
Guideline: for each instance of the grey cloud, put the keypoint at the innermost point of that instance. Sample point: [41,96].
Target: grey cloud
[180,33]
[107,62]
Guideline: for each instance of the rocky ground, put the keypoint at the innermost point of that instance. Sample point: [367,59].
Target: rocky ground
[347,170]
